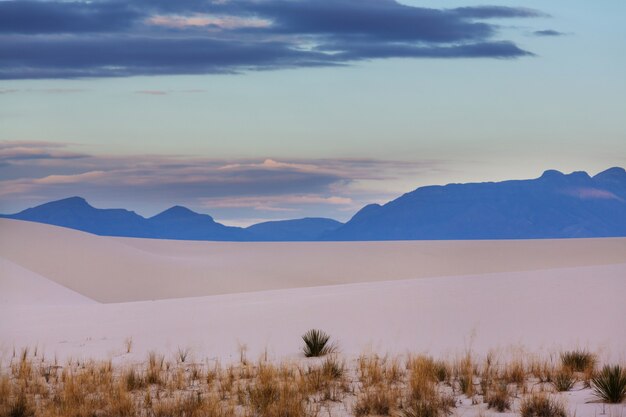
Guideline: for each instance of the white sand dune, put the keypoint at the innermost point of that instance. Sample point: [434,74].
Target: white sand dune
[539,310]
[19,286]
[118,270]
[437,297]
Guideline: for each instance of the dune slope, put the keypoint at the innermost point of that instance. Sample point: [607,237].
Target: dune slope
[543,311]
[112,270]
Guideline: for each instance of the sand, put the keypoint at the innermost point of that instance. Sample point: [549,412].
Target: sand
[19,286]
[114,270]
[388,297]
[542,311]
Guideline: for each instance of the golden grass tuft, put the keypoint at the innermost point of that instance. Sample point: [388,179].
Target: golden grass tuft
[409,386]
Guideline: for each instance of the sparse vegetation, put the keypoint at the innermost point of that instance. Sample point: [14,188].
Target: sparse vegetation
[542,405]
[563,379]
[183,354]
[408,386]
[316,343]
[499,399]
[578,360]
[128,344]
[610,384]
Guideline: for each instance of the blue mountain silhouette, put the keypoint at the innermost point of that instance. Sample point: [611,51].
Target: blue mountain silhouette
[554,205]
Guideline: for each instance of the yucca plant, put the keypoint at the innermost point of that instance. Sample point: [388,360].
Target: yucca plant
[316,343]
[610,384]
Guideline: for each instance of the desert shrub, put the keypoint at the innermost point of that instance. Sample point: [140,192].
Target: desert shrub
[371,371]
[442,373]
[333,368]
[155,366]
[19,407]
[540,405]
[563,379]
[134,380]
[424,409]
[423,397]
[499,399]
[381,401]
[466,384]
[578,360]
[182,354]
[515,373]
[465,375]
[610,384]
[316,343]
[278,392]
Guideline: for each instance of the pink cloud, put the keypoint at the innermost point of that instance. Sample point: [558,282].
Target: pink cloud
[152,92]
[204,20]
[70,179]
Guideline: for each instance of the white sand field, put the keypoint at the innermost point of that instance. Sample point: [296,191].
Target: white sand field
[80,295]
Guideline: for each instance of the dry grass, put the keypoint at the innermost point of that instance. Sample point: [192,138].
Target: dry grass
[542,405]
[578,360]
[563,379]
[499,398]
[410,386]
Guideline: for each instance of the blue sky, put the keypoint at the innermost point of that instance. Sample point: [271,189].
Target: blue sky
[285,109]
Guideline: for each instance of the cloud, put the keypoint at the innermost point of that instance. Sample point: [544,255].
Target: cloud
[548,32]
[111,38]
[202,20]
[35,172]
[167,92]
[276,203]
[70,179]
[12,151]
[43,90]
[44,17]
[152,92]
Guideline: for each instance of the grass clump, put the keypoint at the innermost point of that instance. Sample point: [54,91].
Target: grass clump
[499,399]
[316,343]
[379,400]
[610,384]
[541,405]
[19,407]
[578,360]
[563,379]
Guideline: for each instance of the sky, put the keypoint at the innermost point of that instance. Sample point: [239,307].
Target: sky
[251,110]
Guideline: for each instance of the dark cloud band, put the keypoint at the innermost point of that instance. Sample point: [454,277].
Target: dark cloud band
[112,38]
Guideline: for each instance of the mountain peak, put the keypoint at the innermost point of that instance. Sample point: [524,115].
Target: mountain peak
[178,212]
[579,175]
[614,173]
[551,174]
[75,202]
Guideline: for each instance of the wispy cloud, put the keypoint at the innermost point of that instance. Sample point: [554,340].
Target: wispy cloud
[109,38]
[14,151]
[168,92]
[152,92]
[42,90]
[35,172]
[548,32]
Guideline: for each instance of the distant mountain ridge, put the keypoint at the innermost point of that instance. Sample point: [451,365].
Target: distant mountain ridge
[555,205]
[176,222]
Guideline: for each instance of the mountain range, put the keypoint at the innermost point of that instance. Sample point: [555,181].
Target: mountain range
[555,205]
